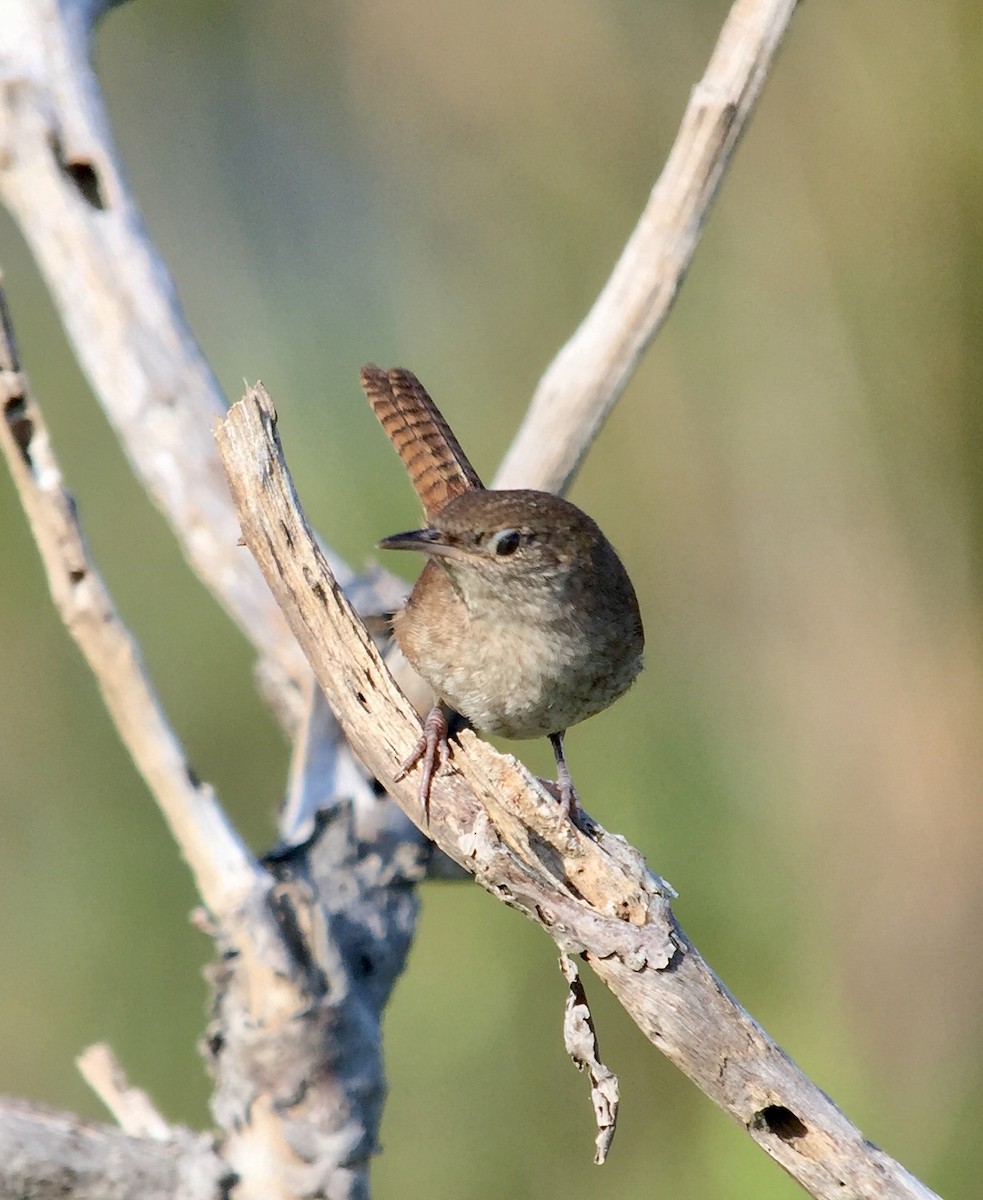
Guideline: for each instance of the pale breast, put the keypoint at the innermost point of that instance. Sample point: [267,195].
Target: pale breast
[516,679]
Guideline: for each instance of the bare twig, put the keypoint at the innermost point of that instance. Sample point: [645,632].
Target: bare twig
[580,1041]
[584,381]
[594,898]
[62,182]
[295,1042]
[223,868]
[131,1106]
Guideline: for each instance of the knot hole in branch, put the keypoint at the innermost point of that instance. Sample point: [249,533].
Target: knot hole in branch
[82,174]
[21,426]
[780,1121]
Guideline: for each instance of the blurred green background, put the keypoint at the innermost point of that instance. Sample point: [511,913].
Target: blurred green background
[793,477]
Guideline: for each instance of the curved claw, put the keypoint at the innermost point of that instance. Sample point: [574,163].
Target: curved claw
[430,749]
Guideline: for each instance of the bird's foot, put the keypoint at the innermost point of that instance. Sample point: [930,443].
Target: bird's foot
[570,808]
[569,800]
[430,750]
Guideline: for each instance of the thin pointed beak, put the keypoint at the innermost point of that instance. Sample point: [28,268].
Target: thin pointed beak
[427,541]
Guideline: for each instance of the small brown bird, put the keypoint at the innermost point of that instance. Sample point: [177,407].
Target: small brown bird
[523,619]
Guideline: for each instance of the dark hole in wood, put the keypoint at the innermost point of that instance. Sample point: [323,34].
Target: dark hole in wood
[85,178]
[21,425]
[780,1121]
[81,172]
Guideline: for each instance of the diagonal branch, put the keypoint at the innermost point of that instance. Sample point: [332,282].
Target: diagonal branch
[587,377]
[62,181]
[295,1042]
[491,816]
[527,839]
[131,1106]
[222,866]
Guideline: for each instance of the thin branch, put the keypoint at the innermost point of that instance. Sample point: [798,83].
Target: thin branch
[131,1106]
[222,866]
[491,816]
[61,180]
[299,1116]
[587,377]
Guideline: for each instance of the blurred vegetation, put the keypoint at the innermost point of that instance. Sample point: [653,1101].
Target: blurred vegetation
[794,478]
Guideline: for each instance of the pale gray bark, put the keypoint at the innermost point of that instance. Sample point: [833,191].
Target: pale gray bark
[311,941]
[594,896]
[309,944]
[50,1155]
[585,380]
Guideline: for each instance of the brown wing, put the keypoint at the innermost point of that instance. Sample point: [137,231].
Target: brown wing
[437,466]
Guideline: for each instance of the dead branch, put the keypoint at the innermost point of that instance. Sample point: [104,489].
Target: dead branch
[223,868]
[594,898]
[48,1155]
[588,375]
[293,983]
[289,986]
[133,1109]
[61,180]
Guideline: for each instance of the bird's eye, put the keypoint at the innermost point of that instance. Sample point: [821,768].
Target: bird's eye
[505,542]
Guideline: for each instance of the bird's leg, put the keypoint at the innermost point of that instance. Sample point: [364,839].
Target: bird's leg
[430,749]
[569,801]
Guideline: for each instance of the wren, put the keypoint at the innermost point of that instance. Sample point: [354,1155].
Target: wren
[524,619]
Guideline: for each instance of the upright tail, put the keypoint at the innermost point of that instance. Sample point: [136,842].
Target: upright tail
[438,468]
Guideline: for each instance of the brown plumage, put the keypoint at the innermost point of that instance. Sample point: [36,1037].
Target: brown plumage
[438,468]
[524,619]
